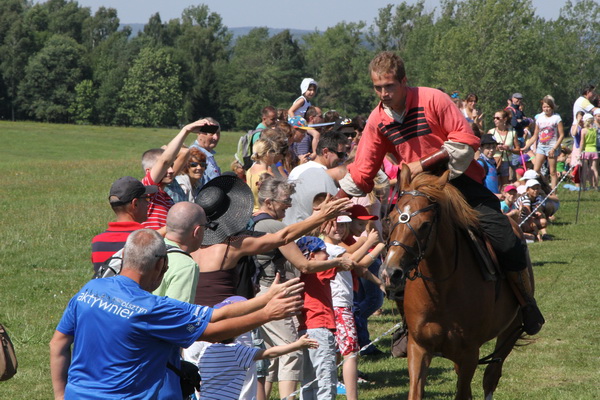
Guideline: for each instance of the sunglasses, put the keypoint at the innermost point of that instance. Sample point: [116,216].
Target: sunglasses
[166,264]
[195,164]
[210,225]
[285,202]
[341,154]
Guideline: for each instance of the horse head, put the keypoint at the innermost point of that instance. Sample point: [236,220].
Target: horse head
[412,228]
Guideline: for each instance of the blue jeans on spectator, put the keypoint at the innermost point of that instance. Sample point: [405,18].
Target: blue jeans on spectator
[368,300]
[319,364]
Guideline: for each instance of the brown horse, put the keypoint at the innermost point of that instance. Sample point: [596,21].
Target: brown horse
[450,309]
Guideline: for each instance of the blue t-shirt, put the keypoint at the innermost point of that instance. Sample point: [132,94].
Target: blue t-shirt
[123,338]
[223,370]
[505,207]
[491,174]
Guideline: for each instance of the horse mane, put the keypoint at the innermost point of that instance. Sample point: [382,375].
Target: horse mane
[454,209]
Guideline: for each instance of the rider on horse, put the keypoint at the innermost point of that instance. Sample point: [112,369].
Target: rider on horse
[423,128]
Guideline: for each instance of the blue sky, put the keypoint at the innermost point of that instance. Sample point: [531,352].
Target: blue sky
[299,14]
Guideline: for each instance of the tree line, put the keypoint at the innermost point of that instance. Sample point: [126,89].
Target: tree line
[61,63]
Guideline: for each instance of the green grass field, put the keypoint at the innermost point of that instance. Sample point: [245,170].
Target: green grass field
[55,181]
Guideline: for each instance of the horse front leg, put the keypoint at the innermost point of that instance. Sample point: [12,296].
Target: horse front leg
[465,369]
[418,366]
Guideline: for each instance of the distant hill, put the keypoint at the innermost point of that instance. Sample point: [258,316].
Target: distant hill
[237,32]
[296,33]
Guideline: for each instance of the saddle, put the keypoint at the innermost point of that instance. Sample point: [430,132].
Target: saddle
[488,262]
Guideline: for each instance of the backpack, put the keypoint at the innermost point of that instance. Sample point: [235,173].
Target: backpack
[8,359]
[113,265]
[248,269]
[244,148]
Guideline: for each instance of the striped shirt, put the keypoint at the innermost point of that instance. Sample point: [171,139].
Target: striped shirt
[159,206]
[223,370]
[112,240]
[431,119]
[524,204]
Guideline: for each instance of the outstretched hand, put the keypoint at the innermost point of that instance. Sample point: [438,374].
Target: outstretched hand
[195,126]
[307,343]
[331,208]
[345,263]
[289,288]
[283,305]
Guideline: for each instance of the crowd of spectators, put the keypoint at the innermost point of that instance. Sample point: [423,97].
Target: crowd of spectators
[316,259]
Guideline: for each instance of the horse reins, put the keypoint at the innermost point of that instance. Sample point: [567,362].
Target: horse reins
[404,219]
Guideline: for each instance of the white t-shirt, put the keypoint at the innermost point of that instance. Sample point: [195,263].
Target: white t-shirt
[311,178]
[341,286]
[548,129]
[581,104]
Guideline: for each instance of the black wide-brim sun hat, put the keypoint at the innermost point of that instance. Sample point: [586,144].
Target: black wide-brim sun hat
[228,203]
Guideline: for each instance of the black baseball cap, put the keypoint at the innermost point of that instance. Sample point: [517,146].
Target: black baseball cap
[487,139]
[127,188]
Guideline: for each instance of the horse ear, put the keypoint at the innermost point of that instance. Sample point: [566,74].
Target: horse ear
[405,176]
[442,180]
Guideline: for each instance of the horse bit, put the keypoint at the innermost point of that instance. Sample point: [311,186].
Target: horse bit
[404,219]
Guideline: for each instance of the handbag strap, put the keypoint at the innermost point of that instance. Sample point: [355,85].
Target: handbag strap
[175,369]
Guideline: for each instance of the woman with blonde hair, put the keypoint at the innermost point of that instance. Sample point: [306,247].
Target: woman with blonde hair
[265,153]
[508,145]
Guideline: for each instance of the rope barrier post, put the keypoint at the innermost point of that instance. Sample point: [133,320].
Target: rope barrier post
[581,186]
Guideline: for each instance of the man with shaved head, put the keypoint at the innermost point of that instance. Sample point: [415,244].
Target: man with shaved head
[185,231]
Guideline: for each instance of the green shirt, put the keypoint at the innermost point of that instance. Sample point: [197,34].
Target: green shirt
[181,278]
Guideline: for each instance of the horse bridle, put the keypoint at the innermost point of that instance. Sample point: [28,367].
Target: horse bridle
[404,219]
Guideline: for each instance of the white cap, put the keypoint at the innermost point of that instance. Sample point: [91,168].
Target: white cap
[597,111]
[529,174]
[531,183]
[306,82]
[343,218]
[588,117]
[521,189]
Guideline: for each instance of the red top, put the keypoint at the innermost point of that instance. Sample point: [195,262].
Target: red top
[159,206]
[112,240]
[318,305]
[431,119]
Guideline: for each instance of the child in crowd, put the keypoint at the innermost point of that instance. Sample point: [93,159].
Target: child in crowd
[318,321]
[508,205]
[223,365]
[238,169]
[367,297]
[589,155]
[548,135]
[308,88]
[486,160]
[536,223]
[575,158]
[342,290]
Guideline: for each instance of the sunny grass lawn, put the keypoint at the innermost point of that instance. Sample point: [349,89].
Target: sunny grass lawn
[55,180]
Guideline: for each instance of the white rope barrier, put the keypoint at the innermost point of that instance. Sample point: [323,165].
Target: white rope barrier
[548,195]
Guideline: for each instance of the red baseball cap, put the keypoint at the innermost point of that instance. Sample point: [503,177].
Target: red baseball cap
[359,212]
